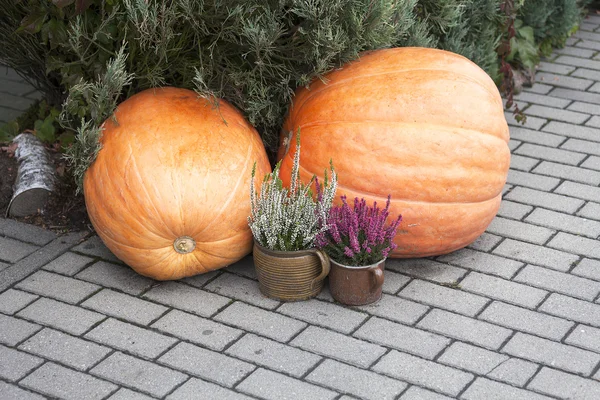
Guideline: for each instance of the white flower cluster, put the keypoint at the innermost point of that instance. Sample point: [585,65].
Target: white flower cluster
[289,219]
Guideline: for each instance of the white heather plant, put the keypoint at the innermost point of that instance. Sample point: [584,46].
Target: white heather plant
[285,219]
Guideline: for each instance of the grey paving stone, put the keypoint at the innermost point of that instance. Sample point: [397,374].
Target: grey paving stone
[56,381]
[426,269]
[15,364]
[329,315]
[465,329]
[586,108]
[338,346]
[556,114]
[444,297]
[12,392]
[555,68]
[588,44]
[13,250]
[553,354]
[525,320]
[592,162]
[579,190]
[543,199]
[588,268]
[559,282]
[487,389]
[396,309]
[240,288]
[206,364]
[586,337]
[583,146]
[13,102]
[116,276]
[65,349]
[244,267]
[550,154]
[595,120]
[68,264]
[574,131]
[199,389]
[12,300]
[37,259]
[564,385]
[130,338]
[578,61]
[530,180]
[392,282]
[485,262]
[538,99]
[575,51]
[57,286]
[257,320]
[95,248]
[423,373]
[273,355]
[514,371]
[200,281]
[530,122]
[471,358]
[501,289]
[198,330]
[535,254]
[539,88]
[26,232]
[518,162]
[401,337]
[274,386]
[573,309]
[127,394]
[358,382]
[65,317]
[510,209]
[417,393]
[13,330]
[568,242]
[485,242]
[575,174]
[187,298]
[3,265]
[144,376]
[124,306]
[563,81]
[576,95]
[587,74]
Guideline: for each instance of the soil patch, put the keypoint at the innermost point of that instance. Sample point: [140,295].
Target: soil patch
[64,212]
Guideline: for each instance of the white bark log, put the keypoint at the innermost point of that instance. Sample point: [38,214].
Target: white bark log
[35,177]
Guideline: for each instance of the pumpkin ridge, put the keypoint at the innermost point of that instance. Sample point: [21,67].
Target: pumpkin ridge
[135,168]
[234,189]
[438,126]
[145,248]
[345,81]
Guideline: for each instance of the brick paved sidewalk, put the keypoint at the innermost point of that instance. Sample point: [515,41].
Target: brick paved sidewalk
[514,316]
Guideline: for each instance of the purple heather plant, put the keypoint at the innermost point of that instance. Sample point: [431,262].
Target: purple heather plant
[358,235]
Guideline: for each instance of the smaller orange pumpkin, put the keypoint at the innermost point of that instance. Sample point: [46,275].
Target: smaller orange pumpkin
[168,192]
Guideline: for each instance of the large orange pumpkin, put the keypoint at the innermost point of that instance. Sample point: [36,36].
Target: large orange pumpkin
[169,191]
[424,125]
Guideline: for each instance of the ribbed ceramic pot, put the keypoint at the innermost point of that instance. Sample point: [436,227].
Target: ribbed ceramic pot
[356,285]
[290,275]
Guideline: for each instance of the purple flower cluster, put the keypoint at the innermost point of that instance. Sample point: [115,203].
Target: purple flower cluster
[358,235]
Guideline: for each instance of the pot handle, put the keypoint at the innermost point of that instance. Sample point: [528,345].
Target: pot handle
[378,275]
[325,267]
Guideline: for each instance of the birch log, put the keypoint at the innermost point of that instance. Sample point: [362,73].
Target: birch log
[35,177]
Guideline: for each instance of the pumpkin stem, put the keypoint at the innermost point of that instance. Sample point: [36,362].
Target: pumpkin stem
[184,244]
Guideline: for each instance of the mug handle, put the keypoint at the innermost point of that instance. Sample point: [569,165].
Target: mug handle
[325,267]
[378,281]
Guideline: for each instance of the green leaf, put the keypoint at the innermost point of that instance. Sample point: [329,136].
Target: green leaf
[8,131]
[62,3]
[54,32]
[526,33]
[45,130]
[33,22]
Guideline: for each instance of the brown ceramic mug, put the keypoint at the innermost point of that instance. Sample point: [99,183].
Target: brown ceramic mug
[356,285]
